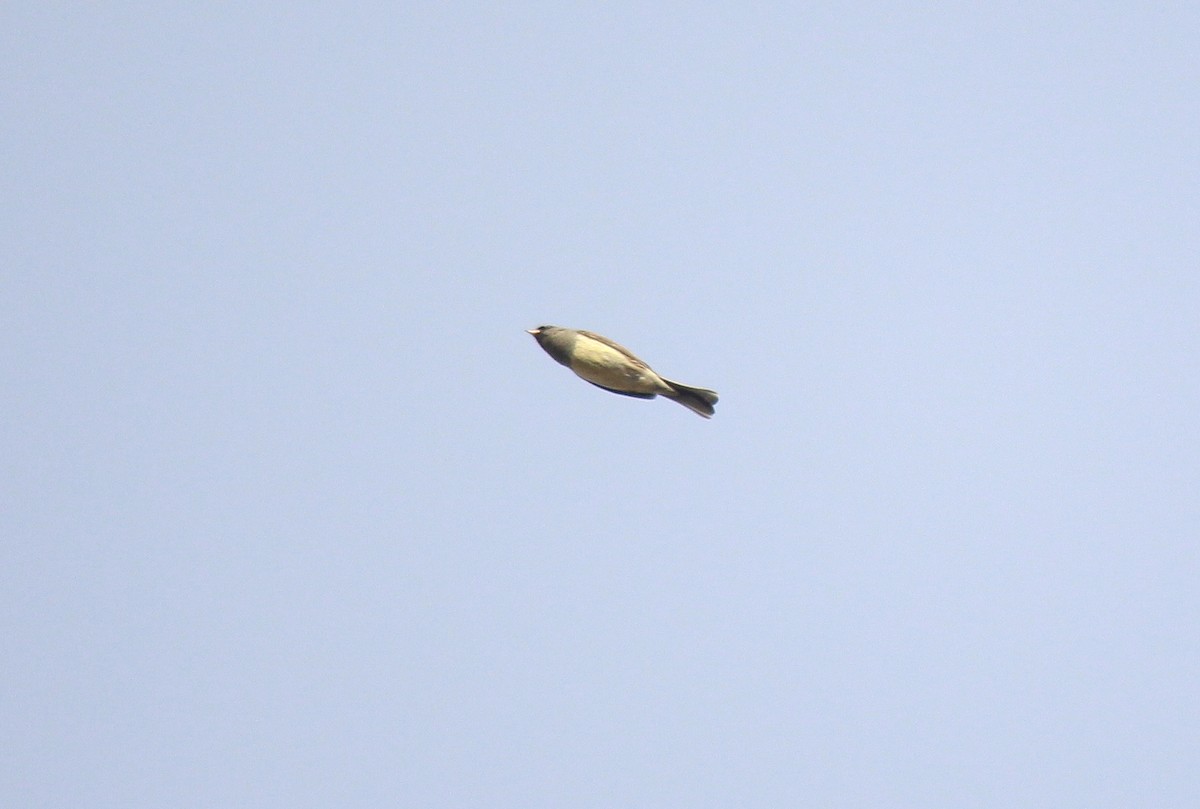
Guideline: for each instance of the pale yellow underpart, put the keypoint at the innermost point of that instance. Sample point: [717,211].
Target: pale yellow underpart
[596,362]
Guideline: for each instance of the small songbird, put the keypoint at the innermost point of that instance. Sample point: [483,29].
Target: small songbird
[613,367]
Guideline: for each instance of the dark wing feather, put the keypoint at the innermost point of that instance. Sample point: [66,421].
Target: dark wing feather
[623,392]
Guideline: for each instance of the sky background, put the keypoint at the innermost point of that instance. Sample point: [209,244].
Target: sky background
[295,514]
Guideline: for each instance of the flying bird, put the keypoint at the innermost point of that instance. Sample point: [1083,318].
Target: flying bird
[615,368]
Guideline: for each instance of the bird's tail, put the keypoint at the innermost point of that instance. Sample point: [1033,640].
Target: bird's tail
[698,400]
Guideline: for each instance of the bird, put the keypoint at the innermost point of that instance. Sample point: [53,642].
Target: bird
[616,369]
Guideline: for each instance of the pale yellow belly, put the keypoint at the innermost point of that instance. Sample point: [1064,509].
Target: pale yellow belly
[605,366]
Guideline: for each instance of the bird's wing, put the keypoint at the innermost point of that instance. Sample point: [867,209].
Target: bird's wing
[623,392]
[629,355]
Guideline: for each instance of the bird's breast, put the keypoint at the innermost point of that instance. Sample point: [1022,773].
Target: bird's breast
[603,365]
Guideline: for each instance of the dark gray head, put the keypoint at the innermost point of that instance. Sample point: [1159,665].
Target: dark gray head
[555,341]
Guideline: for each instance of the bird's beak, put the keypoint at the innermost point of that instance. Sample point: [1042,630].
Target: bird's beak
[534,332]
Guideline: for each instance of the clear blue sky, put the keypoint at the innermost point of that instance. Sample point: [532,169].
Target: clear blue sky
[295,514]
